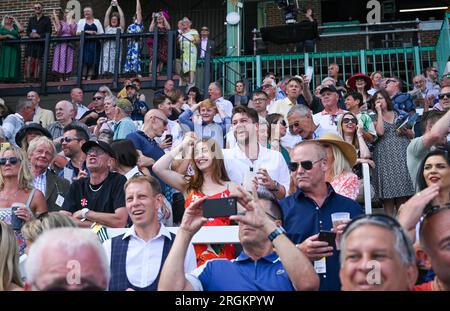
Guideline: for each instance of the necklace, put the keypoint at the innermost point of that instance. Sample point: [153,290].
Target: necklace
[90,187]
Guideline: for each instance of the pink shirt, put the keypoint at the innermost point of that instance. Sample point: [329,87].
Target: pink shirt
[346,184]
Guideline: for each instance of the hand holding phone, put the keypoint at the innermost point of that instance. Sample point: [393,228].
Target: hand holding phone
[329,237]
[220,207]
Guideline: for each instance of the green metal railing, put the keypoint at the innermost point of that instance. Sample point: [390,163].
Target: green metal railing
[443,45]
[400,62]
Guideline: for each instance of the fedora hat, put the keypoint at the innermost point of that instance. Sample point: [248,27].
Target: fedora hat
[352,80]
[348,150]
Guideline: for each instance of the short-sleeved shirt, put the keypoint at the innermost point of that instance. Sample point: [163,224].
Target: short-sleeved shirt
[106,199]
[242,274]
[415,153]
[304,218]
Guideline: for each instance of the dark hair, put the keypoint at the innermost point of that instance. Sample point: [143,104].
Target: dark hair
[240,81]
[81,132]
[271,118]
[198,94]
[432,117]
[355,96]
[158,100]
[275,207]
[441,151]
[386,97]
[126,153]
[260,93]
[250,112]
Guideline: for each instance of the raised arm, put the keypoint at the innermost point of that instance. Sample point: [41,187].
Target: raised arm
[152,23]
[138,12]
[19,25]
[379,126]
[166,23]
[122,18]
[107,14]
[438,131]
[56,22]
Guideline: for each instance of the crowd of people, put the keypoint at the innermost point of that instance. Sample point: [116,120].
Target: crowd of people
[291,157]
[99,56]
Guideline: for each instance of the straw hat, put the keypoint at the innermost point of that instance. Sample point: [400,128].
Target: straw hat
[352,81]
[348,150]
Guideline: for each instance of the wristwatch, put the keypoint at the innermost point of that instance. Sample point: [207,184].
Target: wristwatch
[279,230]
[84,211]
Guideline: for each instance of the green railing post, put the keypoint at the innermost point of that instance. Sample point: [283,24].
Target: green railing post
[363,61]
[417,67]
[258,71]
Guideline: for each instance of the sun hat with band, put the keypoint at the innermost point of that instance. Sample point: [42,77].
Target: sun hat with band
[351,82]
[347,149]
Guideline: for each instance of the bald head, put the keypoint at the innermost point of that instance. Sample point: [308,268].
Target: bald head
[64,111]
[155,123]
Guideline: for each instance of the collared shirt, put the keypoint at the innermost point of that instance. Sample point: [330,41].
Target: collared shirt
[226,106]
[40,182]
[81,110]
[133,172]
[70,172]
[124,127]
[241,274]
[304,218]
[204,43]
[144,257]
[282,106]
[238,165]
[328,121]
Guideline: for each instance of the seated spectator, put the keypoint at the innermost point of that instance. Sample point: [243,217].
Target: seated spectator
[260,101]
[361,84]
[363,240]
[85,203]
[14,122]
[76,97]
[437,128]
[431,74]
[376,77]
[108,123]
[269,165]
[123,125]
[90,117]
[275,132]
[309,210]
[127,159]
[269,86]
[41,116]
[210,179]
[168,87]
[147,240]
[74,137]
[4,111]
[140,108]
[176,101]
[41,154]
[302,125]
[16,189]
[49,273]
[389,156]
[9,260]
[294,89]
[341,157]
[215,95]
[194,96]
[258,254]
[423,97]
[333,72]
[354,103]
[240,96]
[401,101]
[206,128]
[27,133]
[444,99]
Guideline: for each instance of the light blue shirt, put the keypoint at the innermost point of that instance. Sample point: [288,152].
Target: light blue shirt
[124,127]
[11,125]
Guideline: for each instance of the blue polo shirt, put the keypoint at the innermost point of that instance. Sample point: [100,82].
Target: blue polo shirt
[304,218]
[244,274]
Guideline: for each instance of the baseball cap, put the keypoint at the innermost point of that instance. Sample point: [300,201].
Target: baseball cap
[330,88]
[131,85]
[124,104]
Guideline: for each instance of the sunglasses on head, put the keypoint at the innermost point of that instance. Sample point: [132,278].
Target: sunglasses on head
[442,96]
[11,160]
[348,120]
[307,165]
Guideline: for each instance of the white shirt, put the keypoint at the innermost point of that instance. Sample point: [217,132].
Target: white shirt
[174,129]
[328,122]
[204,46]
[81,109]
[144,258]
[226,107]
[238,165]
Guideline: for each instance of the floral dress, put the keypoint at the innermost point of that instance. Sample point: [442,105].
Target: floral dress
[205,252]
[188,50]
[109,51]
[133,58]
[63,55]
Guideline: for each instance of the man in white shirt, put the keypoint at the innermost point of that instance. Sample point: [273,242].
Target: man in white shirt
[302,125]
[329,116]
[137,257]
[248,159]
[215,94]
[294,88]
[76,97]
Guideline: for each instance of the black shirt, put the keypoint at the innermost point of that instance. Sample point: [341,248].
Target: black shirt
[93,121]
[106,199]
[42,26]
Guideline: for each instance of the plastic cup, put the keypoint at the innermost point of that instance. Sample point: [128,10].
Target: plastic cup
[339,218]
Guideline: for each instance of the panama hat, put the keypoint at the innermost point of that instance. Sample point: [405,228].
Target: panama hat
[348,150]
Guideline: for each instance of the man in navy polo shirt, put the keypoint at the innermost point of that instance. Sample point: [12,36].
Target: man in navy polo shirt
[309,210]
[257,268]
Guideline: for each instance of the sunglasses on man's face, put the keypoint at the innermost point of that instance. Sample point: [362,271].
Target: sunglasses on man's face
[442,96]
[68,139]
[11,160]
[307,165]
[295,124]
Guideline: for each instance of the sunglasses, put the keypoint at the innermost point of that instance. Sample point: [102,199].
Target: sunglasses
[307,165]
[68,139]
[97,98]
[442,96]
[295,124]
[348,120]
[11,160]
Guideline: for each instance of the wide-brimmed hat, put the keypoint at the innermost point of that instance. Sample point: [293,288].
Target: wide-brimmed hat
[351,82]
[22,133]
[101,144]
[2,103]
[348,150]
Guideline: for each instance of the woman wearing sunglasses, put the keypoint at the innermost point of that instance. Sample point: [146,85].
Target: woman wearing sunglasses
[16,186]
[275,131]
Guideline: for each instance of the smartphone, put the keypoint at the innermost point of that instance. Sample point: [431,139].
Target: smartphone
[220,207]
[169,138]
[16,222]
[329,237]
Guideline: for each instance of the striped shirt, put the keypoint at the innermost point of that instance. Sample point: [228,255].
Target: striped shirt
[40,182]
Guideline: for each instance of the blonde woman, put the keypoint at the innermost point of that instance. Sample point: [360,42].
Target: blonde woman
[189,39]
[9,260]
[16,186]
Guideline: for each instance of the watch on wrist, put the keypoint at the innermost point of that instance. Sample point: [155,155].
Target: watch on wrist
[84,211]
[275,233]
